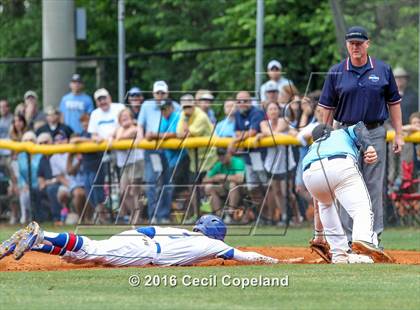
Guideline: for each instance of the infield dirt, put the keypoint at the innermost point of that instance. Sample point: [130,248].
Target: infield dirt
[34,261]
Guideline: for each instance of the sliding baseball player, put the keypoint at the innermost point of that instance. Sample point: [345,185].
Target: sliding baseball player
[162,246]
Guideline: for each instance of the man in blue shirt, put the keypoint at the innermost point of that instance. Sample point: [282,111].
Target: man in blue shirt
[155,163]
[75,104]
[362,88]
[331,174]
[247,125]
[177,160]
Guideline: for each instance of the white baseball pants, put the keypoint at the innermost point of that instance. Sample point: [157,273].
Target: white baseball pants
[340,179]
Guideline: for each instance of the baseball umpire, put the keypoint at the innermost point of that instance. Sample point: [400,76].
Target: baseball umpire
[362,88]
[331,173]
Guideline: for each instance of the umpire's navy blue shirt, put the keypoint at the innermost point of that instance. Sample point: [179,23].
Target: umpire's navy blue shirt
[360,95]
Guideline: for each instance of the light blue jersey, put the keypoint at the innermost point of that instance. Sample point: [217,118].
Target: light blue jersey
[150,115]
[72,107]
[340,142]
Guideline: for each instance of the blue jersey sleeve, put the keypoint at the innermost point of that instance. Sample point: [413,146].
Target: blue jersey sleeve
[351,132]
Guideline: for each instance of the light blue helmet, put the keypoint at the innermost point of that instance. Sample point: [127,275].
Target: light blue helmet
[211,226]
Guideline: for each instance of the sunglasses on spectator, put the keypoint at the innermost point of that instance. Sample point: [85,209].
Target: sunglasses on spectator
[160,93]
[43,142]
[187,107]
[242,101]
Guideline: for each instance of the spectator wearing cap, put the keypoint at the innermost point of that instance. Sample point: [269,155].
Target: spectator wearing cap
[104,119]
[54,126]
[409,103]
[194,122]
[6,118]
[271,94]
[204,98]
[362,88]
[226,127]
[178,160]
[247,125]
[135,99]
[274,73]
[33,116]
[155,163]
[223,181]
[75,103]
[23,182]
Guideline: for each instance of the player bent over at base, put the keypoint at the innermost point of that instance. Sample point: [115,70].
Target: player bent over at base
[330,173]
[162,246]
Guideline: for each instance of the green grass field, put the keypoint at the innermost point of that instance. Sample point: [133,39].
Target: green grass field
[309,287]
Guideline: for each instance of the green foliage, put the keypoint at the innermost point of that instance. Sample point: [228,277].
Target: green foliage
[300,33]
[20,28]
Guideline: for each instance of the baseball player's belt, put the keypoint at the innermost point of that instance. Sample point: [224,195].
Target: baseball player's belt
[329,158]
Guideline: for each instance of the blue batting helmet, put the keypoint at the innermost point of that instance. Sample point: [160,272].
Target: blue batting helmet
[211,226]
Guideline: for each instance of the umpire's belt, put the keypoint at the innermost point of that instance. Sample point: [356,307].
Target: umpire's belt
[369,125]
[329,158]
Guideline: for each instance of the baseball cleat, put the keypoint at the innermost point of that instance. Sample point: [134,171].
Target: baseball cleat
[379,256]
[32,236]
[351,259]
[8,246]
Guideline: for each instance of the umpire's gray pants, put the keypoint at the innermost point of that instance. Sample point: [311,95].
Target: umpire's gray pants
[373,175]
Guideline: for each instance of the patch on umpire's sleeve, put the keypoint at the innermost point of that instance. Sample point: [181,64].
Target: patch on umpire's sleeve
[149,231]
[227,255]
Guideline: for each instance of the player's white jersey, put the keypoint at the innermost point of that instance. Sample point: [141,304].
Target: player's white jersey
[129,248]
[183,247]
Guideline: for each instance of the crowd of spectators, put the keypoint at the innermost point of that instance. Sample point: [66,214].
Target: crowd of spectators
[239,184]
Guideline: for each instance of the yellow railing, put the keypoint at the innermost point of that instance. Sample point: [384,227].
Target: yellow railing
[89,147]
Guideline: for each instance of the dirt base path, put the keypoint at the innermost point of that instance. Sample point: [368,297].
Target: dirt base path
[34,261]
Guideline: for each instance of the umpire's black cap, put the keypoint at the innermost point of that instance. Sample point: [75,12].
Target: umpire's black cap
[357,33]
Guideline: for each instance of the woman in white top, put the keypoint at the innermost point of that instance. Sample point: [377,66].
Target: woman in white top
[131,164]
[275,165]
